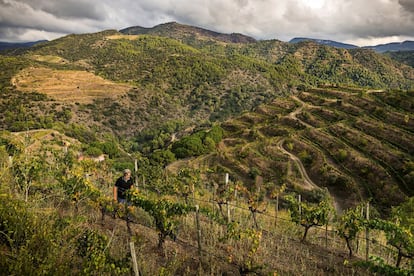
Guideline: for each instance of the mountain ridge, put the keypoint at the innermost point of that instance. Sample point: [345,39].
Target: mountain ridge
[171,29]
[15,45]
[380,48]
[324,42]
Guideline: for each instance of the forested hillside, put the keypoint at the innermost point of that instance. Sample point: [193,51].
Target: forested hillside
[191,80]
[406,57]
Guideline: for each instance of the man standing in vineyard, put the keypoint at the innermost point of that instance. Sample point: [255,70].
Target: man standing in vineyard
[122,185]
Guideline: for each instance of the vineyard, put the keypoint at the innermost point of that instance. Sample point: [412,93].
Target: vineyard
[58,214]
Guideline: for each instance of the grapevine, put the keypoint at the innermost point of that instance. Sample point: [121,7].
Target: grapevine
[350,223]
[308,215]
[164,212]
[397,236]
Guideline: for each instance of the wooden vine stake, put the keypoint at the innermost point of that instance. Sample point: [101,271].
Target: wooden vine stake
[136,172]
[358,239]
[134,258]
[327,224]
[228,203]
[198,232]
[276,209]
[367,235]
[214,198]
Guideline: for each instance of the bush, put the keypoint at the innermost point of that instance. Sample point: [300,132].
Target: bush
[109,147]
[162,157]
[188,146]
[93,151]
[199,143]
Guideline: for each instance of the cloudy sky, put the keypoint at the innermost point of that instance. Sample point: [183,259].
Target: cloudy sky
[360,22]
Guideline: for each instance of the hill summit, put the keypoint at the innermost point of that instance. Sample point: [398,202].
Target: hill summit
[180,31]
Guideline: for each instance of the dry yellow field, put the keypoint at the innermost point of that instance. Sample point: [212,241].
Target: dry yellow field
[67,85]
[129,37]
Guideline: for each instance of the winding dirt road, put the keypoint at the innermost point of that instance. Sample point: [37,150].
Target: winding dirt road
[309,185]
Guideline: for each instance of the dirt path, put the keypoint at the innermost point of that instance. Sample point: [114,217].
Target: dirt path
[293,114]
[309,184]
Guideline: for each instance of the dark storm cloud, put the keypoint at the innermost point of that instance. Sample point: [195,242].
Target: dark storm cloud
[343,20]
[72,9]
[408,5]
[49,18]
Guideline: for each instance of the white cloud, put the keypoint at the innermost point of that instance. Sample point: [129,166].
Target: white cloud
[341,20]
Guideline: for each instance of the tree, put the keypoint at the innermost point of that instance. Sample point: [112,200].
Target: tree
[162,157]
[27,170]
[188,146]
[216,133]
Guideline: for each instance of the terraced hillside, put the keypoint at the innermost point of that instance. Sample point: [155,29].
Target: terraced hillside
[356,143]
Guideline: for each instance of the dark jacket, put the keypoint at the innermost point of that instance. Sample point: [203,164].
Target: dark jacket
[123,186]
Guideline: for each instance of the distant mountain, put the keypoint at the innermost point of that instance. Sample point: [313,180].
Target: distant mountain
[14,45]
[324,42]
[393,47]
[179,31]
[381,48]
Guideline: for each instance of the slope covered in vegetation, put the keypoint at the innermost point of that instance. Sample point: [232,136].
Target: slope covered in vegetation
[190,106]
[189,79]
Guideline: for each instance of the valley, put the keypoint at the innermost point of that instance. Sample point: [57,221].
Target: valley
[223,129]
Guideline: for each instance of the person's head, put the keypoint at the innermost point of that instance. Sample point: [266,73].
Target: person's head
[127,174]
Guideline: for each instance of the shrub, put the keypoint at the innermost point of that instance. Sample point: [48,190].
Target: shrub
[162,157]
[93,151]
